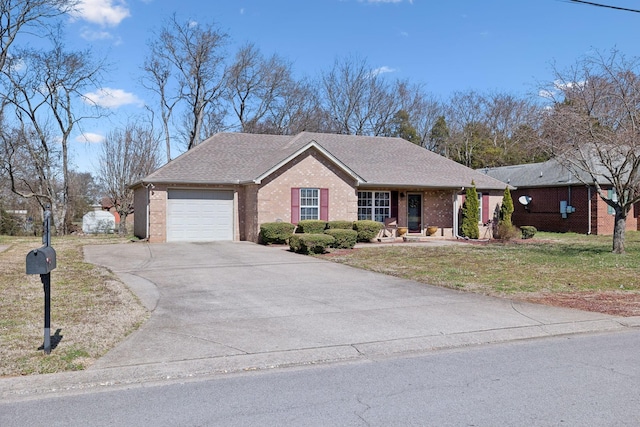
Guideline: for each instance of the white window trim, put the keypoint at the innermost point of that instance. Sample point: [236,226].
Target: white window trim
[306,206]
[372,195]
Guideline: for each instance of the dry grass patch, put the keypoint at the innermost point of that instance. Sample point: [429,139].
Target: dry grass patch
[91,310]
[568,270]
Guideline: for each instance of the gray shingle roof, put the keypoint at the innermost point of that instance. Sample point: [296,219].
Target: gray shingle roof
[230,158]
[546,174]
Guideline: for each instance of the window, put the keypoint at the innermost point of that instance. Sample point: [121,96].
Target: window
[480,207]
[611,195]
[309,203]
[374,205]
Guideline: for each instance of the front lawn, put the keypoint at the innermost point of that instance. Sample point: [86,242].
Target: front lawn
[91,310]
[561,269]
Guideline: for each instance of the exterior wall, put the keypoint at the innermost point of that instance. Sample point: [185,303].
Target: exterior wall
[140,206]
[544,211]
[158,214]
[311,170]
[492,208]
[158,198]
[437,210]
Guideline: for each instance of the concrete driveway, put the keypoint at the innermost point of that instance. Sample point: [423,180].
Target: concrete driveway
[220,307]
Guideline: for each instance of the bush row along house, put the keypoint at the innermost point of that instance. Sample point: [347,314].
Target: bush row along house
[227,186]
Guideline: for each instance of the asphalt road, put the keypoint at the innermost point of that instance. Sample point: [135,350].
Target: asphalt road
[580,380]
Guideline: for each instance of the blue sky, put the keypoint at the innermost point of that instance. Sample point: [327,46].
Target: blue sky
[505,45]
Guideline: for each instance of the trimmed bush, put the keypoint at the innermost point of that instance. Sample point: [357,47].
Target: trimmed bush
[340,225]
[528,231]
[310,243]
[276,232]
[311,226]
[344,239]
[367,229]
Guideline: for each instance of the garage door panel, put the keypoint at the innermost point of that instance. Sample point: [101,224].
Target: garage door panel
[199,215]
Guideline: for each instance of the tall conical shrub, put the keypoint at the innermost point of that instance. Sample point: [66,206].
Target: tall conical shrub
[506,209]
[471,213]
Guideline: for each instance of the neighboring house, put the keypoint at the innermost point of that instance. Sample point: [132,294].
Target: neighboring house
[227,186]
[558,200]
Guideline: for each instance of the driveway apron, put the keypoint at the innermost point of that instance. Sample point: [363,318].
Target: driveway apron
[235,306]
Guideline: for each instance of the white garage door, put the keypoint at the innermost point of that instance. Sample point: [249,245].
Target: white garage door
[199,215]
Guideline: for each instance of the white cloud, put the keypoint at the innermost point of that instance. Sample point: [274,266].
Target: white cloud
[112,98]
[382,70]
[89,34]
[92,138]
[108,13]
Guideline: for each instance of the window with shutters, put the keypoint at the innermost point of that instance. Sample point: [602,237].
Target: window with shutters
[309,203]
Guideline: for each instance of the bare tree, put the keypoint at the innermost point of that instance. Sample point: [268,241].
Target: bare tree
[17,16]
[187,58]
[345,90]
[45,89]
[594,129]
[128,155]
[156,79]
[255,85]
[464,113]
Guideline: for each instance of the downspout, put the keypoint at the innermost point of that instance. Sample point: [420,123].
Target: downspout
[455,215]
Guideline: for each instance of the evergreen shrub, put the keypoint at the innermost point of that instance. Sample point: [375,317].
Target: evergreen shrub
[367,229]
[311,226]
[344,239]
[528,231]
[310,243]
[276,232]
[340,225]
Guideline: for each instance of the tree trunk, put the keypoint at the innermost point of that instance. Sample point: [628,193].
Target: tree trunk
[618,232]
[122,227]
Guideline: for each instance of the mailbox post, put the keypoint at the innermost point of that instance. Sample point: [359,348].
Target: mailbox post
[41,261]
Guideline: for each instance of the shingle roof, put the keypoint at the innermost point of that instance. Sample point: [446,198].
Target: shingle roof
[546,174]
[231,158]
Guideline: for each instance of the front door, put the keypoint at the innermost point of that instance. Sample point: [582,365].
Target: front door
[414,222]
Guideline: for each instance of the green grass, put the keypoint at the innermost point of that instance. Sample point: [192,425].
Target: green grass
[549,263]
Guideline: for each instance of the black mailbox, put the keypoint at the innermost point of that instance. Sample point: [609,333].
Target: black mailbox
[41,260]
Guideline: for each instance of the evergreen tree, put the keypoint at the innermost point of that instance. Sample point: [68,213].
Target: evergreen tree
[439,136]
[402,127]
[471,213]
[506,209]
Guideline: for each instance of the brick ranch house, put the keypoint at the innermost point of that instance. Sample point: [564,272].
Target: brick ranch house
[559,201]
[224,188]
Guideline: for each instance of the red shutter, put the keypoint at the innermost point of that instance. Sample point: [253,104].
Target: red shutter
[394,205]
[485,208]
[295,205]
[324,204]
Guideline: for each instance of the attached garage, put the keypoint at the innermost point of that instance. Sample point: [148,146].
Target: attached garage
[199,215]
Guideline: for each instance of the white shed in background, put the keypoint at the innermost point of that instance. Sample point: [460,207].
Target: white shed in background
[98,222]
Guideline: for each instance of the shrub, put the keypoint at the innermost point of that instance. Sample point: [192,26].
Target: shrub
[276,232]
[367,229]
[470,213]
[311,226]
[528,231]
[340,225]
[344,239]
[506,209]
[310,243]
[505,231]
